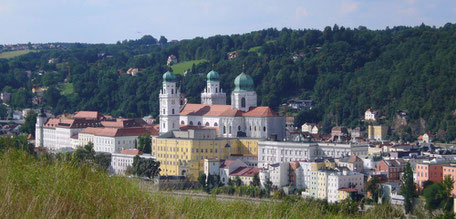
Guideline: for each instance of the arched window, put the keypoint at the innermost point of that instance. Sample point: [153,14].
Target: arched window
[215,124]
[243,102]
[224,129]
[264,128]
[173,111]
[207,123]
[182,122]
[230,129]
[163,111]
[191,123]
[199,123]
[250,128]
[239,128]
[254,128]
[172,91]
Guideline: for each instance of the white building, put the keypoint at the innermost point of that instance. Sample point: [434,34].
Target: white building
[270,152]
[370,115]
[277,173]
[344,179]
[229,169]
[121,161]
[243,118]
[311,128]
[106,133]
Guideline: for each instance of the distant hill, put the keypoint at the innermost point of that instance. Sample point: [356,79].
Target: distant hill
[344,71]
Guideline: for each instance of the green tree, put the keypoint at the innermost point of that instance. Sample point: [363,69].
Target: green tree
[145,167]
[434,196]
[29,124]
[408,188]
[256,180]
[145,143]
[373,187]
[85,154]
[237,181]
[447,184]
[202,180]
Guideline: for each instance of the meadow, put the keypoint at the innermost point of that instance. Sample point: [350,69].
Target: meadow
[12,54]
[180,67]
[43,188]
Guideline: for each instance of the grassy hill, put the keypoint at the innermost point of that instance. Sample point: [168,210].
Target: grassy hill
[180,67]
[51,189]
[12,54]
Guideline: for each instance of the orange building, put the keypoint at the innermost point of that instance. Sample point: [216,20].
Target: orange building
[429,172]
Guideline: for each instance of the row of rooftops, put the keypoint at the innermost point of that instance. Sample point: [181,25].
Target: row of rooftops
[92,122]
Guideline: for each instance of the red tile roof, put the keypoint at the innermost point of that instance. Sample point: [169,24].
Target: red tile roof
[209,110]
[227,163]
[226,110]
[114,132]
[289,118]
[245,171]
[348,189]
[260,111]
[131,151]
[89,115]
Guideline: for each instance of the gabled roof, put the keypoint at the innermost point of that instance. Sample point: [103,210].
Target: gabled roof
[114,132]
[245,171]
[227,163]
[209,110]
[260,111]
[131,151]
[89,115]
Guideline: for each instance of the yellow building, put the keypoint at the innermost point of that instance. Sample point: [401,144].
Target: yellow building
[321,164]
[377,132]
[183,152]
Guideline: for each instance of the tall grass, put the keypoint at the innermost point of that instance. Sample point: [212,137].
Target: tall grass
[38,188]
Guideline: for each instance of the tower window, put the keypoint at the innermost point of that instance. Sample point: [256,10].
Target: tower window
[182,122]
[207,124]
[239,128]
[264,128]
[199,123]
[243,102]
[191,123]
[224,129]
[172,91]
[216,90]
[230,129]
[163,111]
[173,111]
[215,124]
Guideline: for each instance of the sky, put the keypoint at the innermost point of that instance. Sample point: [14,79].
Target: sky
[109,21]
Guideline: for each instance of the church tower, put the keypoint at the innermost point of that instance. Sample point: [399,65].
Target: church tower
[243,96]
[40,120]
[213,93]
[169,104]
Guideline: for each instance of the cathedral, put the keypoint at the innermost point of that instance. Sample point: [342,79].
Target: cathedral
[243,118]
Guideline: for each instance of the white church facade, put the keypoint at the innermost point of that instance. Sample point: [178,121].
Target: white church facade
[243,118]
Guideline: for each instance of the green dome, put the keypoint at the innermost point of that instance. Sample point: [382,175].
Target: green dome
[243,82]
[213,76]
[169,77]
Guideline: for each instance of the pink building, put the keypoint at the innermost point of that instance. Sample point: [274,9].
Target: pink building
[450,170]
[432,171]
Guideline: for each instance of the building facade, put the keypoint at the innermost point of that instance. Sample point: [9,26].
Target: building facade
[243,118]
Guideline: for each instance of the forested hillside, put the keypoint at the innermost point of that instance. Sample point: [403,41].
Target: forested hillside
[344,71]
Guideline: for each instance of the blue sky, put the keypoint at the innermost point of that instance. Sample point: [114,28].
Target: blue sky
[107,21]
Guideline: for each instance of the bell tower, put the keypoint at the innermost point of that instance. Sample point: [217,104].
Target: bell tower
[169,103]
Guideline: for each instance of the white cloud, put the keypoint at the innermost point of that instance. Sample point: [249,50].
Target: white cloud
[301,12]
[348,7]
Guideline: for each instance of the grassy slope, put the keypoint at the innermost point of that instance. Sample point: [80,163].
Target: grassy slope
[12,54]
[66,89]
[180,67]
[37,189]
